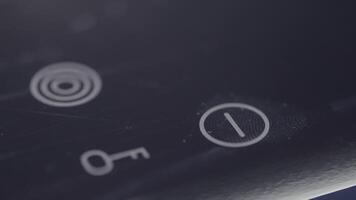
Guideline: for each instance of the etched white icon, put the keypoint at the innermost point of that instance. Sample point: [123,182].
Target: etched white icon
[108,160]
[246,139]
[65,84]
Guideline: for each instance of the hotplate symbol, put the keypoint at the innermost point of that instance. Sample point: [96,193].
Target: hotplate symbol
[65,84]
[234,125]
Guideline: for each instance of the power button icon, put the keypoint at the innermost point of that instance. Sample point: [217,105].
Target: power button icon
[234,125]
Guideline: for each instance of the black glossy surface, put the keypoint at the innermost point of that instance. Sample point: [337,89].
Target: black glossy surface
[163,64]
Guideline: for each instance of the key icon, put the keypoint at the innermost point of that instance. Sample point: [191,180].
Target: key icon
[109,160]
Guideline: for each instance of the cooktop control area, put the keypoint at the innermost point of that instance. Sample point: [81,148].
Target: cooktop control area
[176,100]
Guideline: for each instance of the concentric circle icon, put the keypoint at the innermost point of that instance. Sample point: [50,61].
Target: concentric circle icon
[65,84]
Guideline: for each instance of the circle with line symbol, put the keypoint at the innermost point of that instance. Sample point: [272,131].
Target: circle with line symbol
[66,84]
[234,125]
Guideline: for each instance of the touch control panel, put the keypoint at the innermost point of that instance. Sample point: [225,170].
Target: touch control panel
[151,99]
